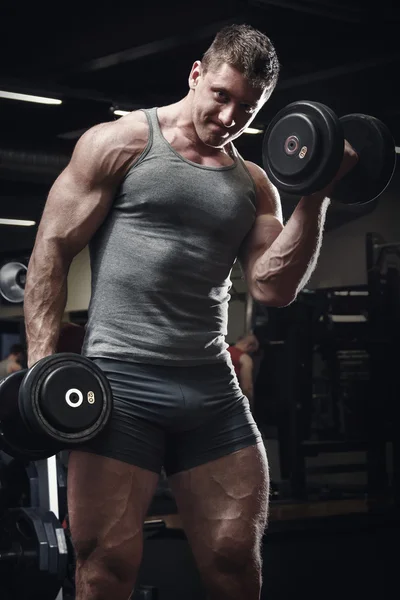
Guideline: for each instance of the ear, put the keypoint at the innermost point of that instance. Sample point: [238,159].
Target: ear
[195,73]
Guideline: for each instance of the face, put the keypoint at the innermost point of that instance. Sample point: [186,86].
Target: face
[223,103]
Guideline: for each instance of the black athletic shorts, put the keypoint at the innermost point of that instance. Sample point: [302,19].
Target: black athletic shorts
[174,417]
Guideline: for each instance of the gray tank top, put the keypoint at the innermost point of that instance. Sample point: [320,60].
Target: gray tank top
[162,259]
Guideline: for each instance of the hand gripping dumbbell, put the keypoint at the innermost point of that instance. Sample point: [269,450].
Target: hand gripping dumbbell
[303,149]
[62,401]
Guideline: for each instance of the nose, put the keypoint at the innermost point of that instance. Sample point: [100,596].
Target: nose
[226,116]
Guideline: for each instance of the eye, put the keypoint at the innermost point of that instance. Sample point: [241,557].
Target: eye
[221,96]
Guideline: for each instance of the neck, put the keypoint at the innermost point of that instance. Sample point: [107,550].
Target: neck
[178,117]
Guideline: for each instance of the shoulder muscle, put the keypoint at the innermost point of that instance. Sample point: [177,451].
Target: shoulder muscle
[106,151]
[268,200]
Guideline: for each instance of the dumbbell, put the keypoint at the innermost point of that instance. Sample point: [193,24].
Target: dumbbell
[303,148]
[62,401]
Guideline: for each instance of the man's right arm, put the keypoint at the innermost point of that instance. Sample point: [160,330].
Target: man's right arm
[77,204]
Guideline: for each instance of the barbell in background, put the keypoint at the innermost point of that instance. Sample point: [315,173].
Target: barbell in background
[303,149]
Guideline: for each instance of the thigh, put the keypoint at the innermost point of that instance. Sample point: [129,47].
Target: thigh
[224,503]
[107,503]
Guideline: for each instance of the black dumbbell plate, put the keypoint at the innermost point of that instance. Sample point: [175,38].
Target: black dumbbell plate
[16,439]
[373,142]
[67,397]
[303,148]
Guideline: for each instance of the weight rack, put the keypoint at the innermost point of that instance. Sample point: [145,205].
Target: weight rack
[48,490]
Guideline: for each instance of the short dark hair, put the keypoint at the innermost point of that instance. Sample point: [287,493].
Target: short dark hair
[17,349]
[248,50]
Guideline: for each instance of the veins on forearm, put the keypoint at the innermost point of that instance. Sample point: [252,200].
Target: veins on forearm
[294,253]
[44,303]
[278,258]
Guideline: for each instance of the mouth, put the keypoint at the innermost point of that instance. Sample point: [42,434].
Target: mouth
[218,129]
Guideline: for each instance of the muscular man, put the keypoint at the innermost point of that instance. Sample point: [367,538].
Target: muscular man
[13,362]
[243,363]
[166,205]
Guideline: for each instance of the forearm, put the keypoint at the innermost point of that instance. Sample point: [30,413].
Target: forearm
[286,266]
[44,300]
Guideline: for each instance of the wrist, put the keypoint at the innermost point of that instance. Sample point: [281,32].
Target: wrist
[320,198]
[35,356]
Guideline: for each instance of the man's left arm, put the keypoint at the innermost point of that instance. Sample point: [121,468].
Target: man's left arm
[278,260]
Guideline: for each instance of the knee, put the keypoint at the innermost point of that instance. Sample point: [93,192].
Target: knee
[233,556]
[84,549]
[107,562]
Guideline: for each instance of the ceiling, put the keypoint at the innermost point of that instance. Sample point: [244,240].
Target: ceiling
[96,56]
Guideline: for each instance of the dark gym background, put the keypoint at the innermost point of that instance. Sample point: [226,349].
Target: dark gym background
[327,385]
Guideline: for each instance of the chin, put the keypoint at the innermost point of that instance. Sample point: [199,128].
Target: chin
[209,140]
[214,140]
[208,136]
[213,143]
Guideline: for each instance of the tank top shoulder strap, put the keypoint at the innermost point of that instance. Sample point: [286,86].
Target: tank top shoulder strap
[243,167]
[155,135]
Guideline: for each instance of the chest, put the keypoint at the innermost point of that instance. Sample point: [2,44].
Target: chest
[170,194]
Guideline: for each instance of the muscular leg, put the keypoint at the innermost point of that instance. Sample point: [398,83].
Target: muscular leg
[223,505]
[107,503]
